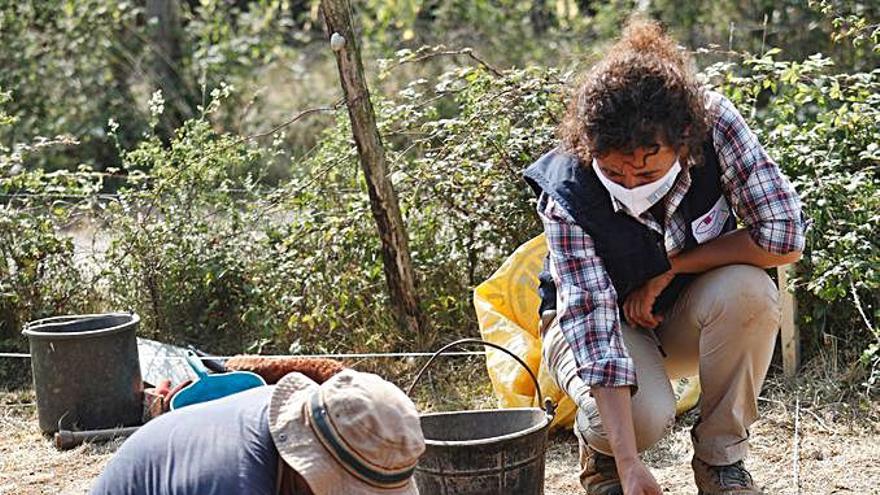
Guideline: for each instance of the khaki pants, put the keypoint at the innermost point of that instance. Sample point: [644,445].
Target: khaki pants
[724,327]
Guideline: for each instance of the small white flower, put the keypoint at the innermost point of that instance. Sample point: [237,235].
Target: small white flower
[157,104]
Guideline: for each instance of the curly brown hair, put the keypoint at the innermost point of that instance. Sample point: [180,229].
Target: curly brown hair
[643,91]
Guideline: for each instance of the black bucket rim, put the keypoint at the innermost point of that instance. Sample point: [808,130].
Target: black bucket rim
[55,321]
[545,423]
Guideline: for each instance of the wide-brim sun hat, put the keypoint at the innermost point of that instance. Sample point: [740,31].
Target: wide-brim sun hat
[356,434]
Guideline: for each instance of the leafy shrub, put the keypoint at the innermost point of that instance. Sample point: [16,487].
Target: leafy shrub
[38,274]
[300,268]
[184,253]
[68,66]
[454,148]
[821,126]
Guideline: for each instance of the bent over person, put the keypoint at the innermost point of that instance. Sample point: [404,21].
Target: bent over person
[355,434]
[648,276]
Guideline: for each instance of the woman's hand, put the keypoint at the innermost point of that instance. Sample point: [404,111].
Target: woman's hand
[636,479]
[639,303]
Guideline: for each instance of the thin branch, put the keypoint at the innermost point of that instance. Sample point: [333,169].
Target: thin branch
[858,303]
[338,103]
[464,51]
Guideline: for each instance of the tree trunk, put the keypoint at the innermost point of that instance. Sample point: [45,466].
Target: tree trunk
[163,18]
[399,272]
[541,16]
[587,7]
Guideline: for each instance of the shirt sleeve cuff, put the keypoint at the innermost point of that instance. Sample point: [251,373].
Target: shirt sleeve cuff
[779,237]
[610,372]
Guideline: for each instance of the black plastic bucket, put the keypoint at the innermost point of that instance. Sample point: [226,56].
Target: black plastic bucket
[489,452]
[86,371]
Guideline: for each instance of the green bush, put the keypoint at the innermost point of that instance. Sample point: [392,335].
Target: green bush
[821,126]
[39,276]
[299,268]
[68,66]
[184,252]
[461,197]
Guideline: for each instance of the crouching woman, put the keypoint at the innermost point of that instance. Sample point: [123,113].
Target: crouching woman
[649,277]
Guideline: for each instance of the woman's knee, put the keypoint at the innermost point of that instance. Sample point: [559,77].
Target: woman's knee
[652,419]
[740,292]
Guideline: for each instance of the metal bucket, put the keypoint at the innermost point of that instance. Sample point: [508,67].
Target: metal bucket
[489,452]
[86,371]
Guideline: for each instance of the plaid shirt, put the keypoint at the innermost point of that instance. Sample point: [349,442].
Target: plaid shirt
[587,307]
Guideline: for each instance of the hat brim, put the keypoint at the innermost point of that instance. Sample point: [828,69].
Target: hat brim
[301,449]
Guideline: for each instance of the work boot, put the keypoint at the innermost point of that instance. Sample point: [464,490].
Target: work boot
[732,479]
[598,472]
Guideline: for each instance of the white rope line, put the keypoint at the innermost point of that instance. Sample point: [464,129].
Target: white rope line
[341,356]
[796,456]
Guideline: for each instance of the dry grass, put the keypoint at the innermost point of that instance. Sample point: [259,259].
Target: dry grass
[29,463]
[833,456]
[837,444]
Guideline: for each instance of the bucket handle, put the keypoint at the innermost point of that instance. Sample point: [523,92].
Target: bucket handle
[549,407]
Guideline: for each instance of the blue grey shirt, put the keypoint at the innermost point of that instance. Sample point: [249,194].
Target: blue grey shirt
[221,447]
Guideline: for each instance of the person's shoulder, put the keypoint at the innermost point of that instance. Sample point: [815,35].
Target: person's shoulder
[718,107]
[722,112]
[553,157]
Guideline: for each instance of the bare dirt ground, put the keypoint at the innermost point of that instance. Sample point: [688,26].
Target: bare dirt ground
[798,447]
[832,458]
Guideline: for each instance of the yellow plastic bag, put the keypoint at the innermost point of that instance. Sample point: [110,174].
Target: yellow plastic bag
[507,310]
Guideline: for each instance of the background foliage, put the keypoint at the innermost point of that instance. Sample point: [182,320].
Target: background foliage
[244,228]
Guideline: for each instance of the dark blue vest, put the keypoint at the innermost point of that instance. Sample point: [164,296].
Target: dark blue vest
[631,252]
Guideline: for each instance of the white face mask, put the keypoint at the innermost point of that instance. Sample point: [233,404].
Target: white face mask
[640,198]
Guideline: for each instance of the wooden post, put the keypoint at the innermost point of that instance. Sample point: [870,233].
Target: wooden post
[399,272]
[790,335]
